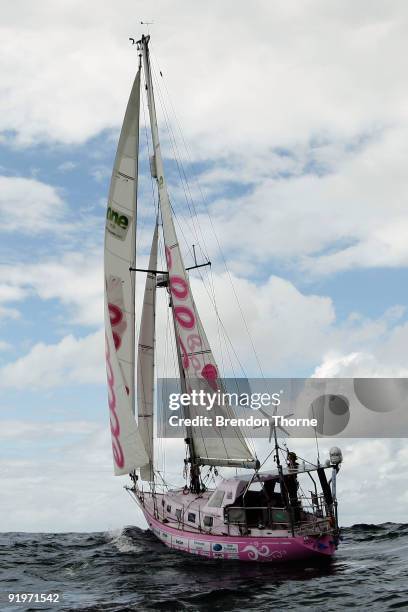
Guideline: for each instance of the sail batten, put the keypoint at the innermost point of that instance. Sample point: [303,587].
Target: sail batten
[119,257]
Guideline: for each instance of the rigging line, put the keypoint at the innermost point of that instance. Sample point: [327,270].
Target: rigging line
[170,347]
[214,304]
[238,433]
[266,459]
[220,346]
[224,329]
[206,277]
[219,321]
[149,150]
[315,432]
[239,303]
[168,129]
[228,409]
[222,332]
[188,247]
[174,146]
[177,157]
[177,122]
[176,154]
[219,246]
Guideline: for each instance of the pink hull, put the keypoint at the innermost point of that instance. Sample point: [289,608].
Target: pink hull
[243,548]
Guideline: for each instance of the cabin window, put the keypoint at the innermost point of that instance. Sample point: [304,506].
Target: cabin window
[216,499]
[168,508]
[162,502]
[208,521]
[191,517]
[178,514]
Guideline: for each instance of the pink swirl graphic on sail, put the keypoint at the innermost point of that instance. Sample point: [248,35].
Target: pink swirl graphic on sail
[117,450]
[189,339]
[118,324]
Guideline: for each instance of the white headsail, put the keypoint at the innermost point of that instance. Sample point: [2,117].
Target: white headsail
[120,253]
[228,446]
[145,363]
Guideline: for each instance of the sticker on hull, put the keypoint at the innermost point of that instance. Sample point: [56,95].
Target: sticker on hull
[180,543]
[200,547]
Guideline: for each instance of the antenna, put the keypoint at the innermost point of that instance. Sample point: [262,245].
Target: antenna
[147,24]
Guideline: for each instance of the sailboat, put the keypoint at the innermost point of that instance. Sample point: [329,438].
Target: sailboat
[253,515]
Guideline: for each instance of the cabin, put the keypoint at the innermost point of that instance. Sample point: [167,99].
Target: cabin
[241,504]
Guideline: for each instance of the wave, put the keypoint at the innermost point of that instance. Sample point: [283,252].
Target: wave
[129,569]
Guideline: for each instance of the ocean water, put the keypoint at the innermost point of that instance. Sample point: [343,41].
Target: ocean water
[131,570]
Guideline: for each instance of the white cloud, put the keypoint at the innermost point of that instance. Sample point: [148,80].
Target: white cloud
[101,173]
[277,314]
[33,430]
[282,74]
[309,101]
[352,216]
[70,361]
[4,346]
[28,206]
[9,313]
[82,493]
[381,354]
[75,279]
[67,166]
[285,325]
[10,293]
[290,331]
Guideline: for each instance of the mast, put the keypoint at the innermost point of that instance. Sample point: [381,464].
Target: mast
[189,440]
[145,363]
[157,165]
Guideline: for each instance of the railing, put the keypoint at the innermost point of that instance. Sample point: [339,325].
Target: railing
[300,519]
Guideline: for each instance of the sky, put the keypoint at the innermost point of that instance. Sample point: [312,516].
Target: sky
[294,128]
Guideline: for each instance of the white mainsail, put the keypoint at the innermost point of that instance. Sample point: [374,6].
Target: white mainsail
[145,363]
[228,446]
[120,253]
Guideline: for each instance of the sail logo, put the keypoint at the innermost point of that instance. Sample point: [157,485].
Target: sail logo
[117,223]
